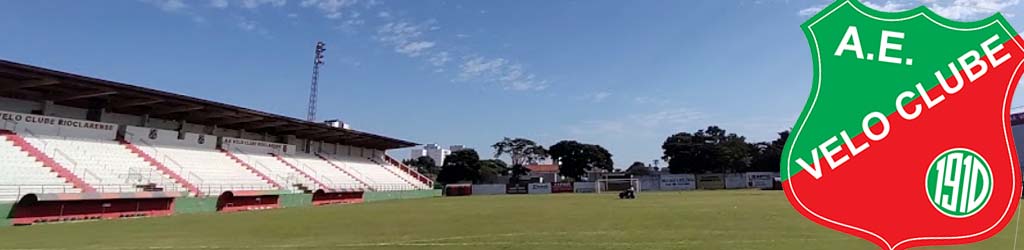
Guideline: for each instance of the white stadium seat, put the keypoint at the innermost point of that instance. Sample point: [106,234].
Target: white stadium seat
[22,174]
[110,167]
[105,165]
[276,170]
[323,171]
[402,174]
[379,178]
[212,171]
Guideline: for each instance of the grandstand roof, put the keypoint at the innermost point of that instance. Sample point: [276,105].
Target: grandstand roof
[34,83]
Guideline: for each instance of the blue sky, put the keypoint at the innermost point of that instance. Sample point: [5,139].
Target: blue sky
[623,74]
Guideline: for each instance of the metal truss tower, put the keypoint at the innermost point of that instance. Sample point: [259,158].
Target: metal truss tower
[317,61]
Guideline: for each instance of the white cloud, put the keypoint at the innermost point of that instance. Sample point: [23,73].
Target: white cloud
[889,6]
[965,10]
[247,25]
[252,4]
[971,9]
[354,22]
[219,3]
[410,39]
[406,38]
[399,32]
[252,26]
[384,14]
[648,100]
[596,96]
[167,5]
[810,11]
[177,7]
[510,76]
[440,59]
[332,8]
[414,49]
[479,66]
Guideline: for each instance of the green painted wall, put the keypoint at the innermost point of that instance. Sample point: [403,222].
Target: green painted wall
[399,195]
[5,212]
[295,200]
[190,205]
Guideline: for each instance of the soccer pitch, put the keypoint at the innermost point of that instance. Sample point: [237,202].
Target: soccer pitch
[744,219]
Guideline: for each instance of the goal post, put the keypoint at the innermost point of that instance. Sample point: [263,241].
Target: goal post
[614,185]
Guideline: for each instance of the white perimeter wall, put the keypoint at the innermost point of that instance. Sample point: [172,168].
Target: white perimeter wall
[486,189]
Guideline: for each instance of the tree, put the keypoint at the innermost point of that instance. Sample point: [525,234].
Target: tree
[735,153]
[768,155]
[461,165]
[491,170]
[521,152]
[424,165]
[575,159]
[707,150]
[639,169]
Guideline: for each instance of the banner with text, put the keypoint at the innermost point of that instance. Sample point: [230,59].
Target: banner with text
[35,125]
[678,182]
[254,146]
[761,179]
[540,188]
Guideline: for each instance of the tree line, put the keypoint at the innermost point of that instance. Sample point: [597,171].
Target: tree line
[575,159]
[710,150]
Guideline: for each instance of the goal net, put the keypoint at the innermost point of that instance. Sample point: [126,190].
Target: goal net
[615,185]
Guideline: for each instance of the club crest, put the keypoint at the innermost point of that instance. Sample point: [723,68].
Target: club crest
[905,139]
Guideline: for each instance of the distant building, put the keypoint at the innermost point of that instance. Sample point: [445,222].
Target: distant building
[546,173]
[338,124]
[433,151]
[457,147]
[595,174]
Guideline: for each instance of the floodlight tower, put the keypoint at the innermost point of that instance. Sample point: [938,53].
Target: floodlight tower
[317,61]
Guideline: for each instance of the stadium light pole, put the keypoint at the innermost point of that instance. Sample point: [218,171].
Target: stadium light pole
[318,59]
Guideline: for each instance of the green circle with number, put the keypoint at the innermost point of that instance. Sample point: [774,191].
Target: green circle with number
[959,182]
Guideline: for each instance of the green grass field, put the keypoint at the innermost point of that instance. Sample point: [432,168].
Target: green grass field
[665,220]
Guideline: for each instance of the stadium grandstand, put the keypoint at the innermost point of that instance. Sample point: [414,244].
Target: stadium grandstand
[101,149]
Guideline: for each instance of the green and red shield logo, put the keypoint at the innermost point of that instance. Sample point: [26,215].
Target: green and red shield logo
[905,139]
